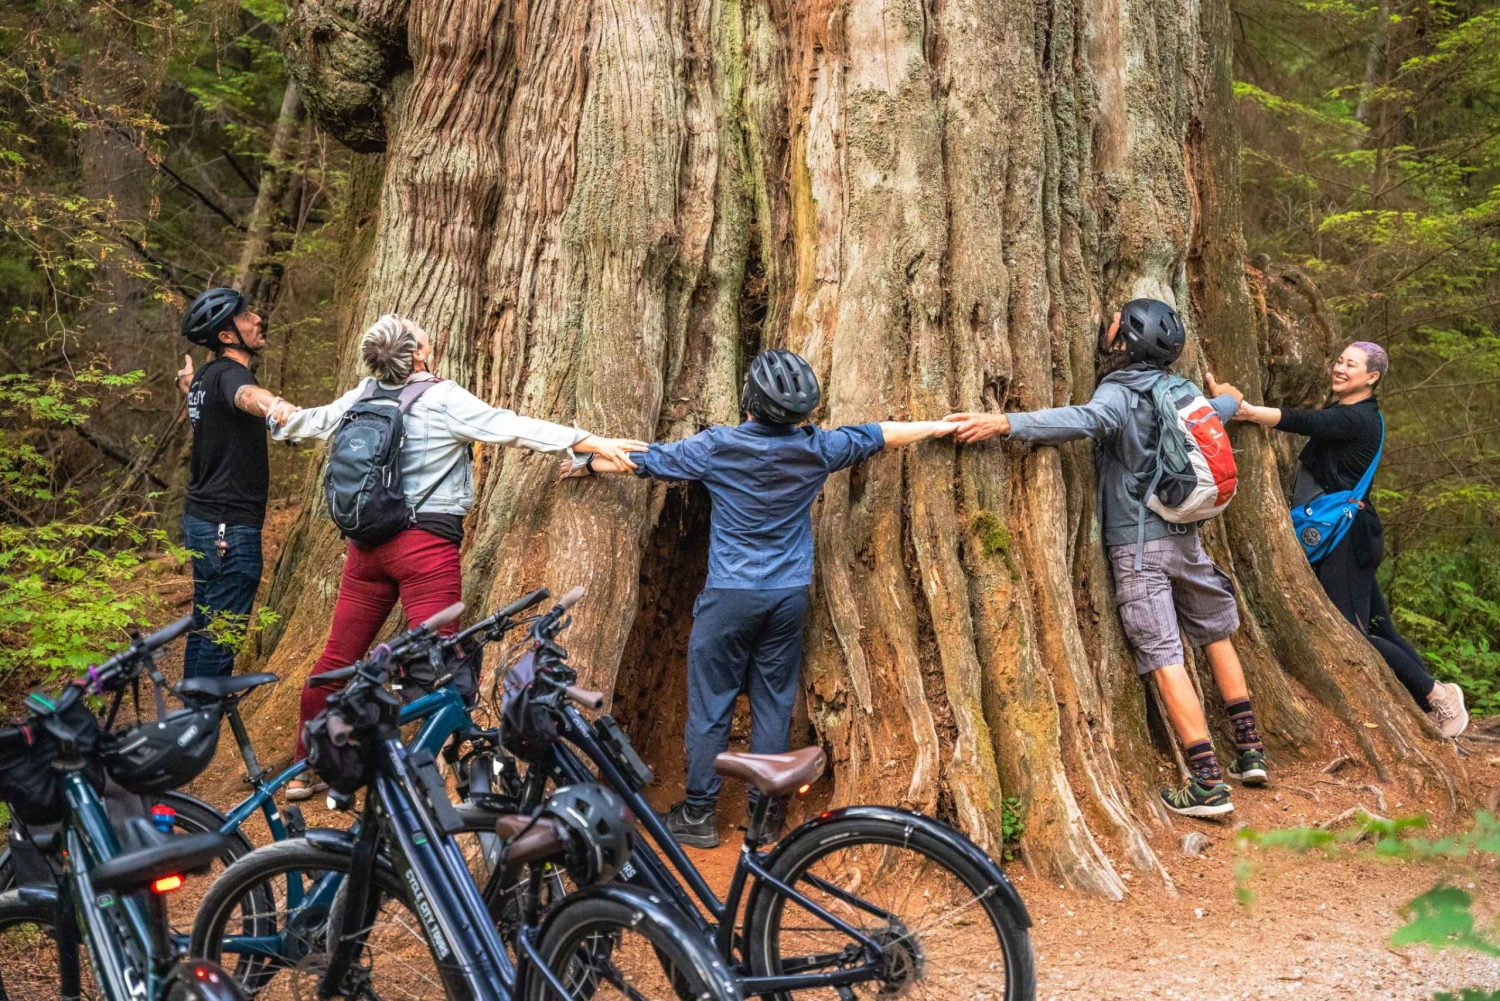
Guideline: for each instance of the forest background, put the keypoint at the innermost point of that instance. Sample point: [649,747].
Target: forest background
[152,148]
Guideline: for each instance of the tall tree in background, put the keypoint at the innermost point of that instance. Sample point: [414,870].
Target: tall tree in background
[601,210]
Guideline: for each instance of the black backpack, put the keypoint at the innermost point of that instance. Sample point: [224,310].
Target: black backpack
[363,481]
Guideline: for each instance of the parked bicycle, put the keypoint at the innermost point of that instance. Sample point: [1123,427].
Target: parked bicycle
[869,899]
[418,924]
[108,899]
[448,730]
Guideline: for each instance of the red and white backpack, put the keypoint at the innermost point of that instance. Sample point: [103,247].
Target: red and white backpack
[1195,476]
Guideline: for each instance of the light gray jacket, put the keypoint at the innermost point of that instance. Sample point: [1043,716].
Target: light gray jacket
[1121,421]
[439,427]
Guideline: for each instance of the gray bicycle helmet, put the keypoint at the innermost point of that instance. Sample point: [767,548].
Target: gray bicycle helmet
[210,314]
[1153,332]
[597,831]
[780,387]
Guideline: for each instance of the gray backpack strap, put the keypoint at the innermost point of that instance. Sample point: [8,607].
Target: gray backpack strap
[372,386]
[411,391]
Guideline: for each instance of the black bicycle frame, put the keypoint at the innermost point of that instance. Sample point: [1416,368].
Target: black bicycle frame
[651,873]
[459,932]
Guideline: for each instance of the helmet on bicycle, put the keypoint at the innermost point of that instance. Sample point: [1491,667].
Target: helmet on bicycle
[164,754]
[596,831]
[780,388]
[210,314]
[1153,332]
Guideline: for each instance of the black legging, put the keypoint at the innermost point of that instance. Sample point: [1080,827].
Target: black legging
[1355,592]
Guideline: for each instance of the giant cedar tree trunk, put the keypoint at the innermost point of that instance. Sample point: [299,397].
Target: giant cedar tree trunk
[602,209]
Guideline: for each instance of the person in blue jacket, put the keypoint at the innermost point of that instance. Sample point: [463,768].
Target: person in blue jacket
[762,477]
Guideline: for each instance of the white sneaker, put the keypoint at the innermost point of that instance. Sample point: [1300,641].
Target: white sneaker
[1448,713]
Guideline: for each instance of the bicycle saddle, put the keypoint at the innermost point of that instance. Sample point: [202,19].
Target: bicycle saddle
[773,774]
[221,688]
[542,841]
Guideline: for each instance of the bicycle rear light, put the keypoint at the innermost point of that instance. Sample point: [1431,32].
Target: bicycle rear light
[166,884]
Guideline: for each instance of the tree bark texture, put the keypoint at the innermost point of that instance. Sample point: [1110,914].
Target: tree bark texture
[602,210]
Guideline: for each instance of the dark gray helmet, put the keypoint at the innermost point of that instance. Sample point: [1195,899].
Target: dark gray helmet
[597,831]
[211,313]
[164,754]
[1153,332]
[780,387]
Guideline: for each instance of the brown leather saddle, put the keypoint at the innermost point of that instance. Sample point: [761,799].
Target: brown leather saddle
[540,840]
[773,774]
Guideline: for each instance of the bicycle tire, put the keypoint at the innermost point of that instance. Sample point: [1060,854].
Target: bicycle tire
[880,838]
[687,967]
[263,867]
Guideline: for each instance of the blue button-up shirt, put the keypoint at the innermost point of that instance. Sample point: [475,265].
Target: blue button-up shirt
[763,479]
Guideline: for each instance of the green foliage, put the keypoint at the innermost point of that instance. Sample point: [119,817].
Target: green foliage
[1468,994]
[1446,600]
[1012,826]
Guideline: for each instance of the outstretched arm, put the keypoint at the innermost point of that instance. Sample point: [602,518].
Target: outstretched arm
[899,433]
[1099,418]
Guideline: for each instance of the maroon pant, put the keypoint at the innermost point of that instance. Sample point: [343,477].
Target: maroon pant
[416,567]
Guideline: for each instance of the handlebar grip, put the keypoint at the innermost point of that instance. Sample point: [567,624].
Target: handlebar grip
[167,634]
[441,619]
[329,678]
[521,604]
[586,698]
[570,599]
[12,737]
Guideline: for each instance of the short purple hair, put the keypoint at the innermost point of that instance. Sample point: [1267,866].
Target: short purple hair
[1376,360]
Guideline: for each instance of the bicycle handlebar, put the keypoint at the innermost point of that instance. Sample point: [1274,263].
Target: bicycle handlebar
[568,600]
[441,619]
[12,737]
[585,697]
[522,603]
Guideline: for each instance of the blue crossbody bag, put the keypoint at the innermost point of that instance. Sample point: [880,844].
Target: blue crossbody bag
[1322,522]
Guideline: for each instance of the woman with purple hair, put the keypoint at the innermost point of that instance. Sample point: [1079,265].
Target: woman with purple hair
[1343,439]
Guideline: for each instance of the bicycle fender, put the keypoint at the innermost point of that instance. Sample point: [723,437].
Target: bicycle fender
[330,838]
[200,980]
[931,828]
[649,907]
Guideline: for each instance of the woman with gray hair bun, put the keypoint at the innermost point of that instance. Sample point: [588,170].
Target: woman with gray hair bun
[420,566]
[1343,440]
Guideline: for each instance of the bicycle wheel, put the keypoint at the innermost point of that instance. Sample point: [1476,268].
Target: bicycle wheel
[623,944]
[943,931]
[28,954]
[303,882]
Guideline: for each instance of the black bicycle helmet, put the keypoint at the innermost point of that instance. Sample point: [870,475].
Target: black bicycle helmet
[210,314]
[164,754]
[1153,332]
[597,831]
[780,387]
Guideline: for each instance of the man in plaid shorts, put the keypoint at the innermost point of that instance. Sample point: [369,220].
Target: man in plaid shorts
[1166,586]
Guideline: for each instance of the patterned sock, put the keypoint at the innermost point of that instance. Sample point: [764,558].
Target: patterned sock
[1246,737]
[1202,763]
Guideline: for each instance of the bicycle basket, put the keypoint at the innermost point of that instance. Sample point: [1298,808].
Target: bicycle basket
[527,730]
[28,781]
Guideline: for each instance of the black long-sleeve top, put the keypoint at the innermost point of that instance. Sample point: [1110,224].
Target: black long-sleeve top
[1341,444]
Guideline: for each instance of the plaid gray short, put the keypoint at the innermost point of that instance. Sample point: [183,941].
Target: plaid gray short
[1177,586]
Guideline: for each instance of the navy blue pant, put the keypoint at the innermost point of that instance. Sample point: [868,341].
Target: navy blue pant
[741,639]
[221,584]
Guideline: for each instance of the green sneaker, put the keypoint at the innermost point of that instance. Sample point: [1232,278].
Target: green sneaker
[1198,800]
[1249,768]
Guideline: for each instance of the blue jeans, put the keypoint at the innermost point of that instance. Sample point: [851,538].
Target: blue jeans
[740,639]
[224,582]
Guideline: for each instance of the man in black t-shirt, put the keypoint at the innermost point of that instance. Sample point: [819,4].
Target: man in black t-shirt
[226,498]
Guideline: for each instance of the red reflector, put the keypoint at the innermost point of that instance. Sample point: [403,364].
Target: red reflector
[802,789]
[167,884]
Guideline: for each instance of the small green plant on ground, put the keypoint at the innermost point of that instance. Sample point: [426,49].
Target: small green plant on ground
[1012,826]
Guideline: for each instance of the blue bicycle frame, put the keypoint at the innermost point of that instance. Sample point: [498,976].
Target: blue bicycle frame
[444,714]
